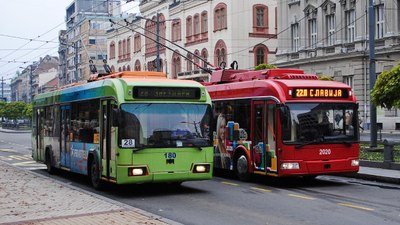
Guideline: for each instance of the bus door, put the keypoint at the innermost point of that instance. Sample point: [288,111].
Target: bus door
[263,136]
[66,133]
[105,136]
[39,135]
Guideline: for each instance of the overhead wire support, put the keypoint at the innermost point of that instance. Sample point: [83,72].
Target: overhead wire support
[171,42]
[208,70]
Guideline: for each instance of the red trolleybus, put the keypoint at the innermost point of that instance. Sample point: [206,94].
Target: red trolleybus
[282,122]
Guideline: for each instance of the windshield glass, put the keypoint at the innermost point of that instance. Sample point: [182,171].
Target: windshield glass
[164,125]
[320,122]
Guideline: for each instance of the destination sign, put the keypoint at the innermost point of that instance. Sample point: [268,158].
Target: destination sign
[166,93]
[320,93]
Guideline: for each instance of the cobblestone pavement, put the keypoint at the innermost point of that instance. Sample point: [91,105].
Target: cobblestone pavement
[28,198]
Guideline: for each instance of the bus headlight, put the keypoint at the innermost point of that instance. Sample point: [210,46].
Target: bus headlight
[201,168]
[355,162]
[137,171]
[290,166]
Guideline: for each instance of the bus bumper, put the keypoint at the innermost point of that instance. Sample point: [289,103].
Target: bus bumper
[125,177]
[319,167]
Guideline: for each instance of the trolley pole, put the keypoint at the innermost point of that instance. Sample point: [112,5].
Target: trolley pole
[372,72]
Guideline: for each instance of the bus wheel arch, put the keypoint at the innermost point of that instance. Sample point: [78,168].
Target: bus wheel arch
[94,171]
[49,160]
[241,164]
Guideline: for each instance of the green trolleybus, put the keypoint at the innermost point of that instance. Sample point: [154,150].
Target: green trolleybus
[126,127]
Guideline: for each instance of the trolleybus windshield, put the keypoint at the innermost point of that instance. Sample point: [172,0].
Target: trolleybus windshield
[157,125]
[309,123]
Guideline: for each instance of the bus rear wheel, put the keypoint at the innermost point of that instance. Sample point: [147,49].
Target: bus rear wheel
[95,175]
[242,168]
[49,167]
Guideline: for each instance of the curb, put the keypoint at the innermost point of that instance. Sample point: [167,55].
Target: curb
[371,177]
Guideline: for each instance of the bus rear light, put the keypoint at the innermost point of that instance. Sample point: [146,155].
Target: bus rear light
[201,168]
[290,166]
[355,162]
[137,171]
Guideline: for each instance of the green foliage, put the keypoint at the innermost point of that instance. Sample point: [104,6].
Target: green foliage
[28,111]
[386,90]
[265,66]
[13,110]
[325,77]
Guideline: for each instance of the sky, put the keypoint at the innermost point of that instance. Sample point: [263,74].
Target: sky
[29,30]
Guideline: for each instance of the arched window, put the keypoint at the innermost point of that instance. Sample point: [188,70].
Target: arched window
[196,24]
[260,55]
[189,28]
[204,55]
[176,30]
[128,68]
[220,20]
[204,22]
[196,59]
[137,44]
[220,53]
[112,50]
[189,62]
[119,50]
[176,65]
[137,65]
[128,47]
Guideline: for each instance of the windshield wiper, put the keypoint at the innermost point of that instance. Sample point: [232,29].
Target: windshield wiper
[309,143]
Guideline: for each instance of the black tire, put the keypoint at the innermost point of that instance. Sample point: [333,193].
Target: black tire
[49,163]
[242,168]
[95,174]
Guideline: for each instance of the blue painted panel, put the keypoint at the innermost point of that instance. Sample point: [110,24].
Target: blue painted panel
[79,156]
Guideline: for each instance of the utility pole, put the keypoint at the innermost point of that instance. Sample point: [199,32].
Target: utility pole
[158,42]
[31,83]
[372,73]
[2,88]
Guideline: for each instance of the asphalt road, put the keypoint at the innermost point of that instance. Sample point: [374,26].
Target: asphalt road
[225,200]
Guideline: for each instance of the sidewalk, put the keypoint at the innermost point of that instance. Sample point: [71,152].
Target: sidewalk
[377,174]
[30,198]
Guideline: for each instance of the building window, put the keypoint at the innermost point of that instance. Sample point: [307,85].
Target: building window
[189,62]
[204,22]
[189,28]
[112,50]
[349,81]
[260,17]
[295,37]
[350,25]
[176,64]
[137,44]
[220,53]
[204,55]
[259,56]
[220,17]
[331,24]
[312,29]
[380,21]
[196,24]
[137,65]
[176,31]
[92,41]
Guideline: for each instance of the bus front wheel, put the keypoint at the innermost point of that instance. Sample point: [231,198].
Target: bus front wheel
[242,168]
[95,175]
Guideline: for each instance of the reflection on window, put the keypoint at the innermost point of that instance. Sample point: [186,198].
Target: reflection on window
[320,122]
[164,125]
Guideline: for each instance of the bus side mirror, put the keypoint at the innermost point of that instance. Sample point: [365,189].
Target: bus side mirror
[116,117]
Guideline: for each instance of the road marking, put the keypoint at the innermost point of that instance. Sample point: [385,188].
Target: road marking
[7,150]
[261,189]
[228,183]
[355,206]
[301,196]
[20,157]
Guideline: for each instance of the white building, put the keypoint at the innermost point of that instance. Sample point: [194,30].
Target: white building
[330,37]
[216,31]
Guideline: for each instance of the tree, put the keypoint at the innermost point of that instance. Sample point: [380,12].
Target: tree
[13,110]
[386,89]
[325,77]
[28,111]
[264,66]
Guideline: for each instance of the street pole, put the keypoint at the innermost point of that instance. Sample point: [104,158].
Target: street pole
[2,87]
[30,81]
[158,43]
[372,73]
